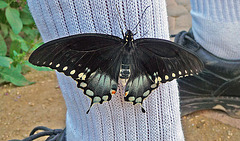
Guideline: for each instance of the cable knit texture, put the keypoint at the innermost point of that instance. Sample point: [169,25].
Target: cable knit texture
[117,119]
[216,26]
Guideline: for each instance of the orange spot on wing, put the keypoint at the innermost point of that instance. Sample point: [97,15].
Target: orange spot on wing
[113,91]
[126,93]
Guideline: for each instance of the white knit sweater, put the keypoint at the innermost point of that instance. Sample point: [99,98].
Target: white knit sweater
[114,120]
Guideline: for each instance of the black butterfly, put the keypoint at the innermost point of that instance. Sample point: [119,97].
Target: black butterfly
[97,61]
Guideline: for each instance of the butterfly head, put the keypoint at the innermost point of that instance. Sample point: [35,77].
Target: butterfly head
[128,36]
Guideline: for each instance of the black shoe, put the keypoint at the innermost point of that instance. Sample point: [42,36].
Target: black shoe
[54,135]
[216,87]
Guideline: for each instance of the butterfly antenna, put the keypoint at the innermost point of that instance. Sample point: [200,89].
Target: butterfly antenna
[145,33]
[141,18]
[121,20]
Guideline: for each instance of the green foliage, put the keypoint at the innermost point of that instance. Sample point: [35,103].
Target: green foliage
[13,18]
[18,38]
[3,4]
[3,46]
[12,75]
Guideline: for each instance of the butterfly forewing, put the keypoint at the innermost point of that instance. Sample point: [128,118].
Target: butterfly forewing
[156,61]
[93,60]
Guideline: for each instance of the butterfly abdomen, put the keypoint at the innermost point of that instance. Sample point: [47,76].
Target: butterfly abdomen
[125,69]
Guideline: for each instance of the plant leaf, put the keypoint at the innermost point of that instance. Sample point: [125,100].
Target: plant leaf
[13,18]
[15,46]
[3,4]
[18,38]
[15,37]
[24,46]
[36,67]
[14,77]
[17,68]
[27,30]
[3,46]
[26,16]
[5,61]
[4,29]
[31,33]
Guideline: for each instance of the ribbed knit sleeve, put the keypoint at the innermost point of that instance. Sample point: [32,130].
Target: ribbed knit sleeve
[117,119]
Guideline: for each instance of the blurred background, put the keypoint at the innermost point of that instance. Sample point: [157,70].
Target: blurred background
[30,96]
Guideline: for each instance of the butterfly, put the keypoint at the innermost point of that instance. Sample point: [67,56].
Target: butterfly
[97,62]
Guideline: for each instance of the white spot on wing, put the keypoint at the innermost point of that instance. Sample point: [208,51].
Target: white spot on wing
[80,75]
[138,100]
[179,72]
[96,99]
[166,77]
[153,86]
[131,98]
[89,92]
[72,72]
[65,68]
[83,84]
[84,77]
[105,97]
[146,93]
[58,65]
[156,80]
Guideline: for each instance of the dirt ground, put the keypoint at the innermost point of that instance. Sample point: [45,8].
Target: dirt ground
[23,108]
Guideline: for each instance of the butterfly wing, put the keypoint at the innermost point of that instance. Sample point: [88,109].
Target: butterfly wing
[156,61]
[93,60]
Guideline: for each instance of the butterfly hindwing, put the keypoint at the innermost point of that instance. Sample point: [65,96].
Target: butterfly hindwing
[156,61]
[138,88]
[99,86]
[93,60]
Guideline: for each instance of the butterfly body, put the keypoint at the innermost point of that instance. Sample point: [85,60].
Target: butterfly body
[97,61]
